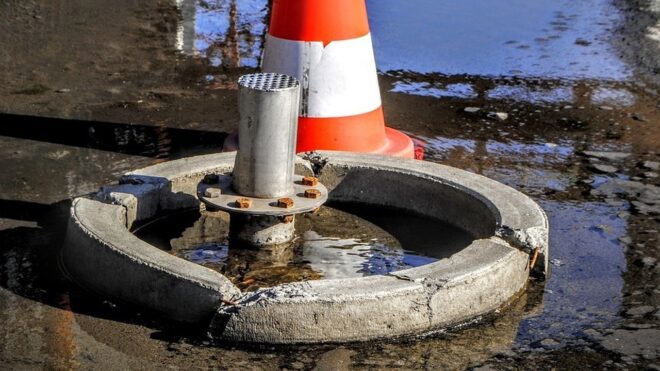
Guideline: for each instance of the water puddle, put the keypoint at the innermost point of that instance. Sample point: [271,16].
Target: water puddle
[350,241]
[228,33]
[426,89]
[585,290]
[534,95]
[546,38]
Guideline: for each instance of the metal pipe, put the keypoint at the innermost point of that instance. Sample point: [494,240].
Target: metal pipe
[267,130]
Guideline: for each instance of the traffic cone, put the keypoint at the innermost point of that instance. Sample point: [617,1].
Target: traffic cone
[327,45]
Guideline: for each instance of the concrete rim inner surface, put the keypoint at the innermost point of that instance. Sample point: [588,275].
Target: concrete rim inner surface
[103,255]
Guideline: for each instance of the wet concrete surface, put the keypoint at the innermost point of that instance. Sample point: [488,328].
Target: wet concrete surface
[557,99]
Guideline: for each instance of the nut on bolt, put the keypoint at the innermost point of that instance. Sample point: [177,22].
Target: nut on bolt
[286,219]
[312,193]
[212,192]
[243,203]
[310,181]
[285,203]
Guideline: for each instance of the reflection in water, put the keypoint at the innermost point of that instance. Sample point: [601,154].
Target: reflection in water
[350,257]
[331,244]
[533,95]
[613,97]
[546,38]
[585,289]
[554,40]
[228,33]
[465,91]
[543,38]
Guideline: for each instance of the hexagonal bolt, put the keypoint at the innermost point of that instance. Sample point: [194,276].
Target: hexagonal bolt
[310,181]
[312,193]
[286,219]
[212,192]
[211,179]
[243,203]
[285,203]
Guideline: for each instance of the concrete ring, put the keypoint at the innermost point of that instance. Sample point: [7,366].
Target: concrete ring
[101,253]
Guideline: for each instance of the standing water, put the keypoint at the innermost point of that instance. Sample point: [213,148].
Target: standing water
[331,244]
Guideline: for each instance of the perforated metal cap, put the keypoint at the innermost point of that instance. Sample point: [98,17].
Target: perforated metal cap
[268,81]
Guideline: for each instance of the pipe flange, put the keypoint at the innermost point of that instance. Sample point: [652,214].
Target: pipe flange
[219,195]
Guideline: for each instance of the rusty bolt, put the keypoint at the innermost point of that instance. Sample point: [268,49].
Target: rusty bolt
[228,302]
[534,257]
[212,192]
[286,219]
[285,203]
[312,193]
[310,181]
[210,179]
[243,203]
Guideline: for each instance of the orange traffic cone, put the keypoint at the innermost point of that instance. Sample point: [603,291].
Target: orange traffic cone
[327,45]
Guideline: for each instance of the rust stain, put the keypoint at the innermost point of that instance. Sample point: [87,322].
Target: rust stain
[62,343]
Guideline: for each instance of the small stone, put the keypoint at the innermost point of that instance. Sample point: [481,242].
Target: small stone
[609,156]
[653,165]
[556,262]
[605,169]
[582,42]
[472,109]
[212,192]
[297,365]
[650,175]
[638,117]
[549,343]
[592,333]
[626,240]
[606,108]
[63,91]
[640,311]
[628,359]
[502,116]
[642,208]
[649,261]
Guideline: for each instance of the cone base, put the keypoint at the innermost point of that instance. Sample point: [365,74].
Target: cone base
[397,144]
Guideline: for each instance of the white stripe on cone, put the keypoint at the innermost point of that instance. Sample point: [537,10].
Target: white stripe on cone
[337,80]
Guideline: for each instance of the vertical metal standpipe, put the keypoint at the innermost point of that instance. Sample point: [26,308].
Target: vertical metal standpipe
[268,105]
[268,125]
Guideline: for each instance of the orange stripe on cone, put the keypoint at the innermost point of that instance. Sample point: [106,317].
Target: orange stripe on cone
[319,20]
[358,133]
